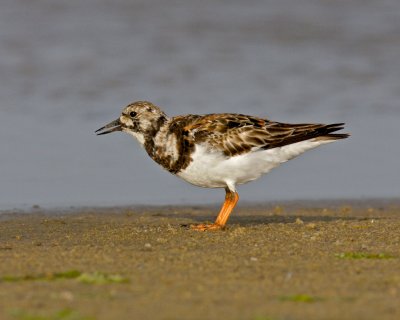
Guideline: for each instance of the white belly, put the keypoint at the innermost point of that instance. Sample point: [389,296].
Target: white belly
[215,170]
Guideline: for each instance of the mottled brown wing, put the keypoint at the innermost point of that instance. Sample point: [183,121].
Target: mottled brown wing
[236,134]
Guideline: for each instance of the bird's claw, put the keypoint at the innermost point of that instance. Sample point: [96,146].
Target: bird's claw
[206,227]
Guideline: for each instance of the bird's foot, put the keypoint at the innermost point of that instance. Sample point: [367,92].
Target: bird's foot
[206,227]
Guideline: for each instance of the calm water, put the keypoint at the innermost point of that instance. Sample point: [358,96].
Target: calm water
[68,67]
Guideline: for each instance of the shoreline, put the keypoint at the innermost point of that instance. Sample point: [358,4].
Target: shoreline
[304,203]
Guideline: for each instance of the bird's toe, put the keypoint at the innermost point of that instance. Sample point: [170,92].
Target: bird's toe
[206,227]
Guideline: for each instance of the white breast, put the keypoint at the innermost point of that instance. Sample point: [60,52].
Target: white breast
[215,170]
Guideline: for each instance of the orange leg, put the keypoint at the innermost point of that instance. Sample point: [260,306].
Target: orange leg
[231,198]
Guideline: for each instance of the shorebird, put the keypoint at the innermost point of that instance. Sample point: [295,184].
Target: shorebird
[218,150]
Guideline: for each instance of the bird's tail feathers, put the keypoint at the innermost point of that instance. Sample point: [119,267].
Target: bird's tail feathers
[328,135]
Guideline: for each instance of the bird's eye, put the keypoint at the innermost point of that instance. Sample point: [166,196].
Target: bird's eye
[133,114]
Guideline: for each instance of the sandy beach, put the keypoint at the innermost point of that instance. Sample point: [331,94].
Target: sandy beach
[286,261]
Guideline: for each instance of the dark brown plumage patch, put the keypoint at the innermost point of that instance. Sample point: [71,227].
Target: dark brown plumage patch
[233,124]
[184,145]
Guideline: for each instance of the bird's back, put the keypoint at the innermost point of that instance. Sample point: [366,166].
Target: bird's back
[235,134]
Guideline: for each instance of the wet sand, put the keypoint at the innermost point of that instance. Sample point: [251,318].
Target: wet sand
[291,261]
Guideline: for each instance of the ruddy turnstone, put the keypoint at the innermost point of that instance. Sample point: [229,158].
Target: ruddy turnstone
[218,150]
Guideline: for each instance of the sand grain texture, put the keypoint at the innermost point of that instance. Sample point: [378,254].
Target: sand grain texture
[284,262]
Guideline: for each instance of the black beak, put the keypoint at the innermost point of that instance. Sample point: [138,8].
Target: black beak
[112,126]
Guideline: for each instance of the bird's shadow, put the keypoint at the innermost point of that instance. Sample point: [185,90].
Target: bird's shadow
[248,220]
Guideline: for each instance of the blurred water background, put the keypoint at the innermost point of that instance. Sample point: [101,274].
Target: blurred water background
[69,67]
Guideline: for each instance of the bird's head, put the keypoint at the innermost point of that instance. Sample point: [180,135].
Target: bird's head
[140,119]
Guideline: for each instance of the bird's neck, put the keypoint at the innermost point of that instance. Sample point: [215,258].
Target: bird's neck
[166,146]
[154,143]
